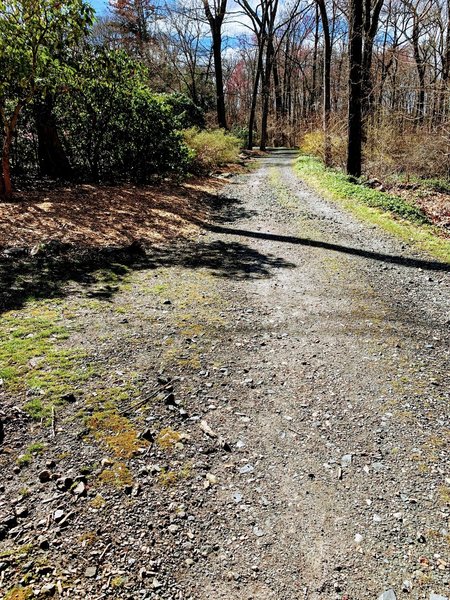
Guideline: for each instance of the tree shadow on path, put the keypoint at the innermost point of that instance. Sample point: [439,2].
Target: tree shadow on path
[47,276]
[418,263]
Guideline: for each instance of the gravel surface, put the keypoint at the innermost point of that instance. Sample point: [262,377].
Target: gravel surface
[290,379]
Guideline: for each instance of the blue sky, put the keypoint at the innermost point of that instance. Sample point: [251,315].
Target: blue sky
[99,5]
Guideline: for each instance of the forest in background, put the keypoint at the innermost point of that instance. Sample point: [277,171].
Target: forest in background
[363,84]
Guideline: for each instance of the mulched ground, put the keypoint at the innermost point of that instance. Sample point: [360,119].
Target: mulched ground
[91,215]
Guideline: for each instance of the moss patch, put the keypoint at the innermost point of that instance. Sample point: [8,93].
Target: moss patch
[33,358]
[167,438]
[117,476]
[19,593]
[117,432]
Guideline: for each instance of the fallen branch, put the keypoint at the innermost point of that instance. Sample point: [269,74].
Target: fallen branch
[147,398]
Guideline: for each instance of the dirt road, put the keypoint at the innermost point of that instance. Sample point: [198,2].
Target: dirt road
[343,337]
[305,451]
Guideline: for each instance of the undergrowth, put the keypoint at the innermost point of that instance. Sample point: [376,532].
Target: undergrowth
[211,149]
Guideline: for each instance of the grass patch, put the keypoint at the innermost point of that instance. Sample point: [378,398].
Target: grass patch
[33,359]
[391,213]
[27,457]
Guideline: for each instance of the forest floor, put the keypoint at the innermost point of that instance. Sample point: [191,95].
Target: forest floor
[257,411]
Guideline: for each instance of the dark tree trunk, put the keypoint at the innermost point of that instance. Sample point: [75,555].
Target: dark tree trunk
[252,116]
[326,83]
[371,19]
[215,21]
[220,95]
[53,161]
[266,94]
[313,95]
[420,66]
[8,133]
[354,147]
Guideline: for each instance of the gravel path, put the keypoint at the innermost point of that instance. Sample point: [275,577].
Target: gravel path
[346,425]
[299,448]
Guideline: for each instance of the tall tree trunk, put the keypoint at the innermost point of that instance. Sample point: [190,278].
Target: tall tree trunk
[371,19]
[265,92]
[313,95]
[220,95]
[354,147]
[8,132]
[420,66]
[327,49]
[5,182]
[53,161]
[215,21]
[252,116]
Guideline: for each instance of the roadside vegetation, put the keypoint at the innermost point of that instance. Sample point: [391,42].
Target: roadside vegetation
[389,211]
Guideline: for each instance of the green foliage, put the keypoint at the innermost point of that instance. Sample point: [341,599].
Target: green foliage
[35,35]
[241,133]
[376,207]
[115,126]
[35,42]
[187,113]
[340,184]
[211,149]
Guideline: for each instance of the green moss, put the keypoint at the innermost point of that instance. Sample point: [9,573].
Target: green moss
[32,356]
[117,582]
[159,288]
[116,476]
[98,502]
[17,553]
[169,477]
[167,438]
[33,450]
[116,432]
[391,213]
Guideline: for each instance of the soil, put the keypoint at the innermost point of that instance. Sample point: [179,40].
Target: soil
[260,411]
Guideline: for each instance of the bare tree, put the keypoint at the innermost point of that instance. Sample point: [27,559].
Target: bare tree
[354,147]
[215,11]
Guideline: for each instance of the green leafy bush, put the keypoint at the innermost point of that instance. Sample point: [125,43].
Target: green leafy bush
[211,149]
[183,108]
[115,127]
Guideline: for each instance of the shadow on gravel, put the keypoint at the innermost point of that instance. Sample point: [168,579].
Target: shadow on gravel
[47,275]
[227,210]
[426,265]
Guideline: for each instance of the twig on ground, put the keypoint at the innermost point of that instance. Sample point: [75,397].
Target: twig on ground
[100,558]
[53,422]
[147,398]
[52,498]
